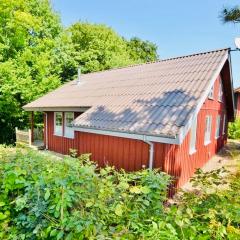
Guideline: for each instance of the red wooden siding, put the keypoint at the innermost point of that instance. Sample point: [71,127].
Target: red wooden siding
[108,150]
[121,152]
[133,154]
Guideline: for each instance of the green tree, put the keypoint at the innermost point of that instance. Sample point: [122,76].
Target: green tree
[30,47]
[98,47]
[143,51]
[231,15]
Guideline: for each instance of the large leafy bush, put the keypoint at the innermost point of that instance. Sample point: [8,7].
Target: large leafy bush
[44,198]
[234,129]
[47,198]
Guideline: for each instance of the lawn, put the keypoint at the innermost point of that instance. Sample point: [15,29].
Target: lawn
[44,197]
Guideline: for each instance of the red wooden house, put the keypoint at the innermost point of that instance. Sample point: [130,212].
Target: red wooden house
[170,114]
[237,101]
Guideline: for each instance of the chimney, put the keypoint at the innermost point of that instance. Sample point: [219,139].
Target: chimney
[79,76]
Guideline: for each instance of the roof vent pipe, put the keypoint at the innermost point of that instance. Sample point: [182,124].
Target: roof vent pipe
[79,76]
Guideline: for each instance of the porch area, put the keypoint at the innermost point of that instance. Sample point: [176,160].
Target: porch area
[32,137]
[26,138]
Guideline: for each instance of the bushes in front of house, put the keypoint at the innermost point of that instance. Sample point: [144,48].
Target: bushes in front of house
[47,198]
[234,129]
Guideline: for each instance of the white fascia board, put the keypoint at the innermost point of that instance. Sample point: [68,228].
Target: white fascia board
[56,109]
[184,130]
[231,78]
[130,135]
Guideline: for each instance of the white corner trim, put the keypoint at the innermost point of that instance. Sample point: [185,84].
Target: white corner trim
[130,135]
[184,130]
[231,78]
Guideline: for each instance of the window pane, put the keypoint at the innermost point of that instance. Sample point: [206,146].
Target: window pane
[193,137]
[220,91]
[217,133]
[211,93]
[208,128]
[58,123]
[224,123]
[68,119]
[69,131]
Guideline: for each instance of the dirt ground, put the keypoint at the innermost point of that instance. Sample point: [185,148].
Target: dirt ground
[228,157]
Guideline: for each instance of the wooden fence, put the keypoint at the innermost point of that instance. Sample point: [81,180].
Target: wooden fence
[25,136]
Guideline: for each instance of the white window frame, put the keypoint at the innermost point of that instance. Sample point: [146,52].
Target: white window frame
[193,137]
[58,130]
[220,91]
[208,129]
[224,124]
[68,130]
[211,93]
[218,125]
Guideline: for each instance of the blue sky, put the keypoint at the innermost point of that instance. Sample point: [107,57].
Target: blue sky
[177,27]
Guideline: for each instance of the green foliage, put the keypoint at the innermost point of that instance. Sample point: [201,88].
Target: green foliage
[44,198]
[140,50]
[212,210]
[29,37]
[98,47]
[234,129]
[231,15]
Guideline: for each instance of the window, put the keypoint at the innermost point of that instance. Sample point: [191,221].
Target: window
[58,126]
[192,146]
[220,91]
[68,131]
[211,93]
[224,124]
[208,129]
[217,132]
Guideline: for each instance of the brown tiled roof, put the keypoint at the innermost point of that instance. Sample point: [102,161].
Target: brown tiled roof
[154,99]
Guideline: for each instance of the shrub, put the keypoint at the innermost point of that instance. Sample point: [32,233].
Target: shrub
[234,129]
[46,198]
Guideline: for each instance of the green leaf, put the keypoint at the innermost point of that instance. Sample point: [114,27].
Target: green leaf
[3,216]
[145,190]
[2,204]
[60,235]
[53,233]
[89,204]
[135,189]
[47,194]
[119,210]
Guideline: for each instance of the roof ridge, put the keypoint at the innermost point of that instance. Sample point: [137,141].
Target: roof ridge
[159,60]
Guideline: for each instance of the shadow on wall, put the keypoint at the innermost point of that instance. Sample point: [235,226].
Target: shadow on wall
[163,115]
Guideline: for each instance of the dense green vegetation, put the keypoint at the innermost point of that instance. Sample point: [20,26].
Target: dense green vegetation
[37,55]
[42,197]
[234,129]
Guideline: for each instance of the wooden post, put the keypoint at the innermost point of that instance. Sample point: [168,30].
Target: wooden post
[16,132]
[32,127]
[30,136]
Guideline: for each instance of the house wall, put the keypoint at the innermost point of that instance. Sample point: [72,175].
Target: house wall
[133,154]
[237,102]
[124,153]
[188,163]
